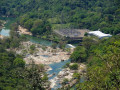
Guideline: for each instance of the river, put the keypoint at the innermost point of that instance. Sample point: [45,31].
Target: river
[56,67]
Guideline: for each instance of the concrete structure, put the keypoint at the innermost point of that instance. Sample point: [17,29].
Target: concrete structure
[72,34]
[99,34]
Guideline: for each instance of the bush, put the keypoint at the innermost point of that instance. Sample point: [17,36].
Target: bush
[54,45]
[32,47]
[79,54]
[74,66]
[65,81]
[66,65]
[76,76]
[19,62]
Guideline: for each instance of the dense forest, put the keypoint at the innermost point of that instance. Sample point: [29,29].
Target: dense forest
[103,61]
[90,14]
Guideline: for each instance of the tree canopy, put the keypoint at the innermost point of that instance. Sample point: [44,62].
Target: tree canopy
[90,14]
[103,64]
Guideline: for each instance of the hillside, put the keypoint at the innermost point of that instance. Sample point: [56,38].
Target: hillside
[103,62]
[90,14]
[101,57]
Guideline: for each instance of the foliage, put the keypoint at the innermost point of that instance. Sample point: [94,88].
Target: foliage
[76,76]
[62,44]
[67,65]
[32,47]
[79,54]
[90,14]
[19,62]
[74,66]
[103,66]
[54,45]
[1,22]
[13,73]
[65,81]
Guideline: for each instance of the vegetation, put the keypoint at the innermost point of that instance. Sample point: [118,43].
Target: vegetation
[54,45]
[36,26]
[36,15]
[13,72]
[18,62]
[1,22]
[41,17]
[76,76]
[62,44]
[103,64]
[65,81]
[74,66]
[66,65]
[32,47]
[79,54]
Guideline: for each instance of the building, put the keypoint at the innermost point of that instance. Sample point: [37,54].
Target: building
[99,34]
[72,34]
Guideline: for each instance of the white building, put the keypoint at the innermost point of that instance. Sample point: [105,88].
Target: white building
[99,34]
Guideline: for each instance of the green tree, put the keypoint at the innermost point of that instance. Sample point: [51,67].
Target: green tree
[19,62]
[79,54]
[74,66]
[103,69]
[28,24]
[32,47]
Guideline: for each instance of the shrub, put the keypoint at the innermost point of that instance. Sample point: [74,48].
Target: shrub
[74,66]
[19,62]
[32,47]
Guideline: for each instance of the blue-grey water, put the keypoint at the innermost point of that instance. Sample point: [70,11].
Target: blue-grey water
[5,32]
[56,67]
[6,29]
[39,40]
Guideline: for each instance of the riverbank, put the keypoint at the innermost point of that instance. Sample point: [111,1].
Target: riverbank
[1,36]
[23,30]
[42,54]
[2,24]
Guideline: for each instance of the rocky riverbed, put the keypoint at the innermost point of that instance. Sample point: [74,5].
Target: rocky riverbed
[67,73]
[41,54]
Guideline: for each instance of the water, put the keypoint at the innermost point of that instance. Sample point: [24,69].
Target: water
[47,56]
[8,20]
[39,40]
[5,32]
[56,68]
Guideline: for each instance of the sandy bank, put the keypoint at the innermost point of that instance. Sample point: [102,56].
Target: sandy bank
[1,37]
[23,30]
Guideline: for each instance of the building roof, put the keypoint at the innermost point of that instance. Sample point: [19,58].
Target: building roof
[99,34]
[72,32]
